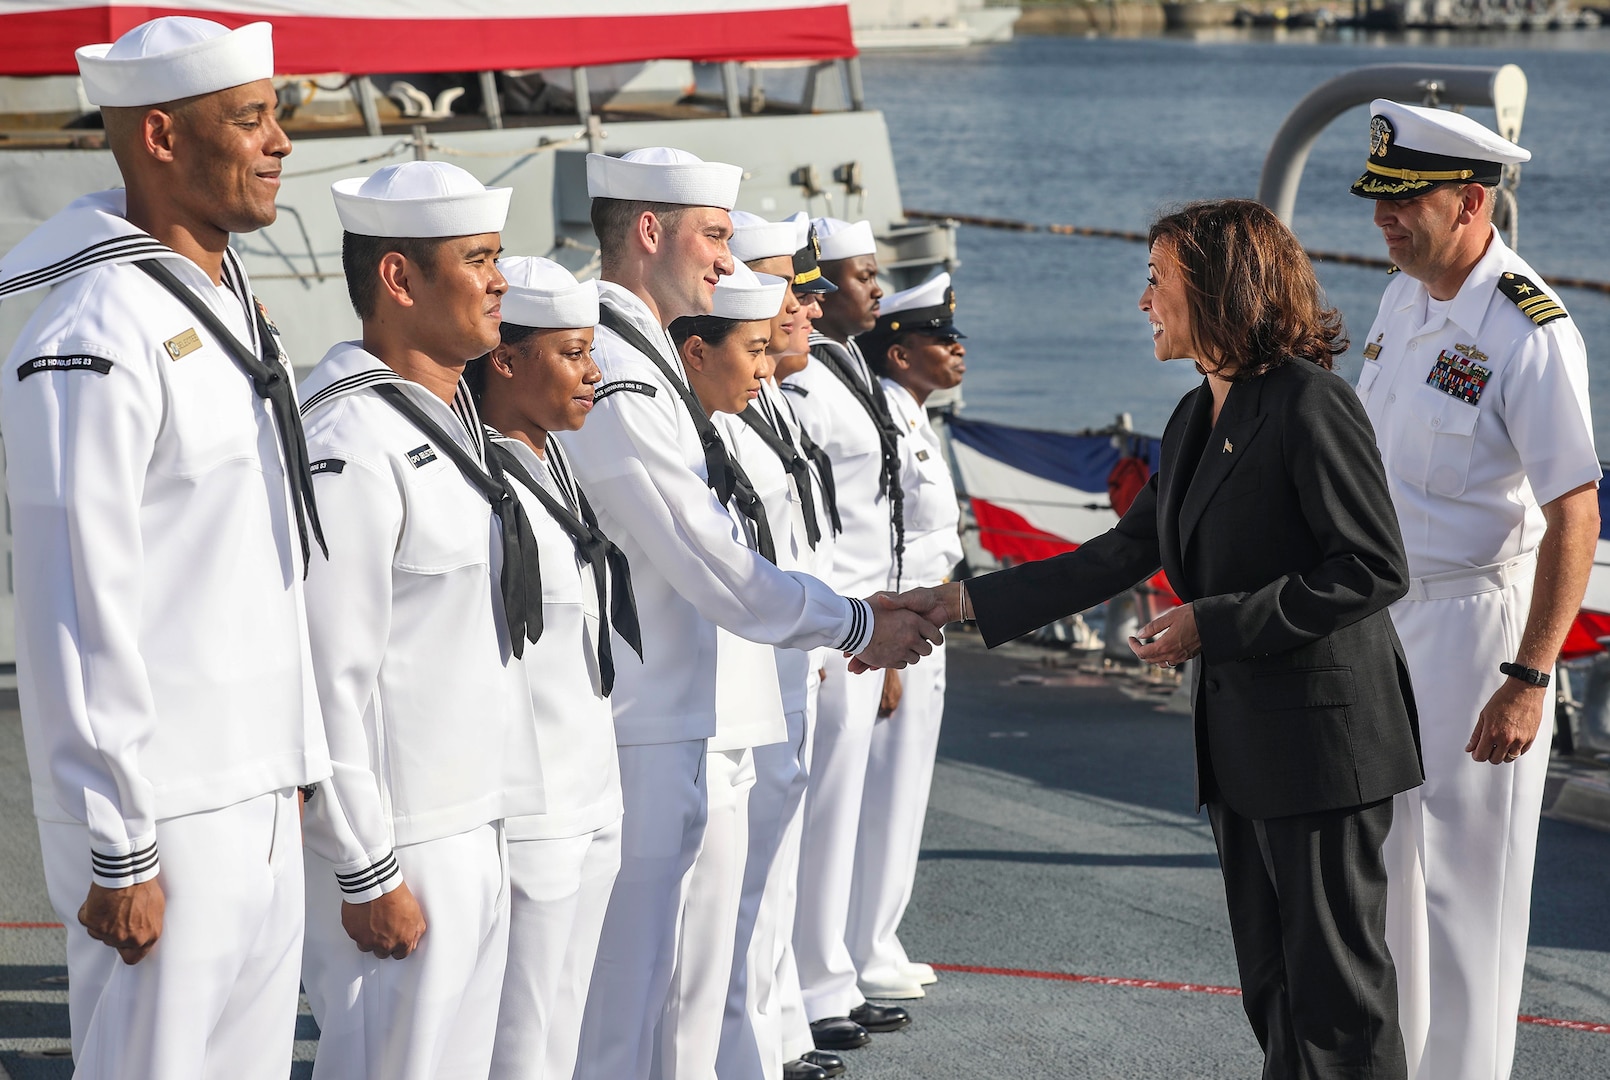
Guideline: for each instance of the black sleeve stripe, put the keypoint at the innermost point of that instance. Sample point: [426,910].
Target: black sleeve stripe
[122,866]
[75,362]
[363,880]
[857,626]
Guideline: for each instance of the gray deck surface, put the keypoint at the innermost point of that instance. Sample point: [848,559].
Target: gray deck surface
[1060,838]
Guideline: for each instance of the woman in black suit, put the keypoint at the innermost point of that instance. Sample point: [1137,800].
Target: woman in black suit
[1271,516]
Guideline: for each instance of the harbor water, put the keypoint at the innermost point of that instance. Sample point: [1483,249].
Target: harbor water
[1105,132]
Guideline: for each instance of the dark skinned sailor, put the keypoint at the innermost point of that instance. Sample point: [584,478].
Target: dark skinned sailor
[163,519]
[562,863]
[915,349]
[841,406]
[418,622]
[1476,381]
[661,480]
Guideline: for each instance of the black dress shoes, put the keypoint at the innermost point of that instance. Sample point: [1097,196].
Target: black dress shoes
[879,1018]
[802,1070]
[839,1033]
[831,1064]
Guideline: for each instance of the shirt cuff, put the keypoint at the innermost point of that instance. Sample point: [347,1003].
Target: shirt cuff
[858,632]
[368,879]
[120,865]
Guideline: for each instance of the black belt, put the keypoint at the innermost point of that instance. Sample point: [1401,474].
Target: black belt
[611,572]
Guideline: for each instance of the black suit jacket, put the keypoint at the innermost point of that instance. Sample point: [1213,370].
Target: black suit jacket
[1286,542]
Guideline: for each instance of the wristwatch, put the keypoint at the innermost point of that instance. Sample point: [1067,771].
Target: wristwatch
[1525,674]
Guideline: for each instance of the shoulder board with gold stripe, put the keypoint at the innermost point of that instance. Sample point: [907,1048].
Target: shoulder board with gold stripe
[1534,303]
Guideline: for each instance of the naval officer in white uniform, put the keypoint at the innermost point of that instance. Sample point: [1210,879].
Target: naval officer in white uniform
[765,1032]
[841,405]
[418,620]
[1475,378]
[725,356]
[660,478]
[163,520]
[915,349]
[562,862]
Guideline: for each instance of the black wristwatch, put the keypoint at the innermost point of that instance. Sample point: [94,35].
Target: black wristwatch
[1525,674]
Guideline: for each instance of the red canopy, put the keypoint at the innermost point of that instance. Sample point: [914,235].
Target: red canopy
[364,37]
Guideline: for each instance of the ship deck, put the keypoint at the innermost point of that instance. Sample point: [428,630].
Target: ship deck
[1067,889]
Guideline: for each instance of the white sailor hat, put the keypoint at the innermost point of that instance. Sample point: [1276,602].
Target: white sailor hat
[1413,148]
[753,237]
[175,57]
[422,199]
[929,308]
[545,296]
[746,296]
[843,239]
[664,175]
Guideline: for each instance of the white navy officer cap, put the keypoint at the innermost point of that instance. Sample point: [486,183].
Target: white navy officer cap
[175,57]
[664,175]
[844,239]
[929,308]
[1412,149]
[746,296]
[753,237]
[545,296]
[420,199]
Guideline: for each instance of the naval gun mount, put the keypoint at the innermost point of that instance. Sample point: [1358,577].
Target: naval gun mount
[1503,88]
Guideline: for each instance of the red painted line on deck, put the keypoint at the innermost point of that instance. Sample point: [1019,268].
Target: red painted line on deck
[1206,988]
[30,926]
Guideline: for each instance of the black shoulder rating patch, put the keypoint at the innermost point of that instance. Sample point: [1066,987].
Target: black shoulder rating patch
[1534,303]
[630,386]
[327,465]
[98,364]
[796,389]
[420,456]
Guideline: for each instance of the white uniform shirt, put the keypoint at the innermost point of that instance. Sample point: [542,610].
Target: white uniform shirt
[1468,469]
[162,647]
[640,461]
[425,709]
[932,514]
[863,556]
[570,716]
[786,514]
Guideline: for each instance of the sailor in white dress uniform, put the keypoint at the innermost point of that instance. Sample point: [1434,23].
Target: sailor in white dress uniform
[417,620]
[562,862]
[917,349]
[647,457]
[841,405]
[759,1036]
[1475,379]
[157,494]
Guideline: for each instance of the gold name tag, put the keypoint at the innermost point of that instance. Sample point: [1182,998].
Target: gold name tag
[1372,350]
[183,345]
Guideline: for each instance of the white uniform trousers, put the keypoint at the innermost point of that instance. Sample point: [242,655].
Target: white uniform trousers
[846,712]
[900,771]
[432,1016]
[690,1027]
[1459,856]
[558,890]
[663,786]
[794,1022]
[751,1029]
[216,998]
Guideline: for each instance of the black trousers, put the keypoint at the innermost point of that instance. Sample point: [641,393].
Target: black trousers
[1307,900]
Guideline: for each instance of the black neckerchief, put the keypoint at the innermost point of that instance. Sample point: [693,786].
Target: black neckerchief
[817,457]
[611,573]
[521,576]
[877,409]
[724,475]
[273,384]
[794,463]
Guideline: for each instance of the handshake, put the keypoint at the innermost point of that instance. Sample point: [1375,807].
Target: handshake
[905,626]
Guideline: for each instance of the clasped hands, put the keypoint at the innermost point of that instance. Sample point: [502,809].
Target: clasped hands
[905,627]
